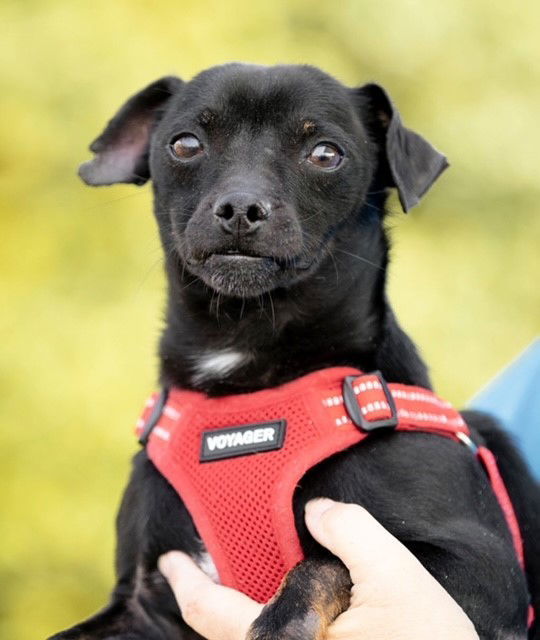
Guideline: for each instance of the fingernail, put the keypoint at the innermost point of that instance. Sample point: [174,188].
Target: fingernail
[315,509]
[164,564]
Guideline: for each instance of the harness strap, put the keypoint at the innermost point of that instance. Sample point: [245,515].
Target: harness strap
[489,463]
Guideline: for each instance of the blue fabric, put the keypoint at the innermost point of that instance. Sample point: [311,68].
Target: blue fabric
[513,397]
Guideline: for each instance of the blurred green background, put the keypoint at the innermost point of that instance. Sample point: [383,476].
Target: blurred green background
[80,269]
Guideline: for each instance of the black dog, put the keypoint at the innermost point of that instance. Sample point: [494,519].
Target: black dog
[270,186]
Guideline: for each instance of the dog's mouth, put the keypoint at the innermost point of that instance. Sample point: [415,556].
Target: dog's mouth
[235,255]
[239,256]
[244,274]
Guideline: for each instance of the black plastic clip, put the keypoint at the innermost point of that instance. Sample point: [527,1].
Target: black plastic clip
[350,399]
[154,416]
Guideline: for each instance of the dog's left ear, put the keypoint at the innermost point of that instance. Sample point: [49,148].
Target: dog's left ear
[121,151]
[409,162]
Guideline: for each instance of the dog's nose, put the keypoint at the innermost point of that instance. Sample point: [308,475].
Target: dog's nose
[241,212]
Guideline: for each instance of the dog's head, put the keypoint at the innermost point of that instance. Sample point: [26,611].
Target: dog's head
[255,169]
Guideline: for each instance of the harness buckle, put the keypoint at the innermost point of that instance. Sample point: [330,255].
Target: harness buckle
[154,416]
[351,401]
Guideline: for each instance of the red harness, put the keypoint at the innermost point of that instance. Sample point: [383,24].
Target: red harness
[242,504]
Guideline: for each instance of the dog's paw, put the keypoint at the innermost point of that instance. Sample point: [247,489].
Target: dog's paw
[270,625]
[309,599]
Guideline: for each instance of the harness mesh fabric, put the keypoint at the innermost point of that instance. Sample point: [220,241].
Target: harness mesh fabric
[249,519]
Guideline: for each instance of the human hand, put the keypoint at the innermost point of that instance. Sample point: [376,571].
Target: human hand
[393,597]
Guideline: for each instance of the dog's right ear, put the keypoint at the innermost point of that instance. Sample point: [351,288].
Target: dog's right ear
[121,151]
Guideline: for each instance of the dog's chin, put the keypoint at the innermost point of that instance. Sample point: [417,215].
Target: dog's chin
[239,276]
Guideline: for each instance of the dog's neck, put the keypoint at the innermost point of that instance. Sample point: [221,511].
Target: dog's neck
[337,317]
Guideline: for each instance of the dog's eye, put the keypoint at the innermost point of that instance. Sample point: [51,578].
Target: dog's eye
[325,156]
[186,146]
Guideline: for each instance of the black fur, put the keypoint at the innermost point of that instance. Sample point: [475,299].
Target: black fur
[299,289]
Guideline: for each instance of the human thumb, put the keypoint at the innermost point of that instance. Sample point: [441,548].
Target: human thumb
[367,549]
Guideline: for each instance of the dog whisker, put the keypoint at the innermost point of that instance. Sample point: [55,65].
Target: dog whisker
[112,201]
[336,270]
[149,271]
[353,255]
[193,281]
[273,311]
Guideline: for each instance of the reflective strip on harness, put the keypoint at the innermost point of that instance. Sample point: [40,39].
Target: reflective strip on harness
[235,461]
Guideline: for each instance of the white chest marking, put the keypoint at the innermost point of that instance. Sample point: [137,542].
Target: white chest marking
[215,364]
